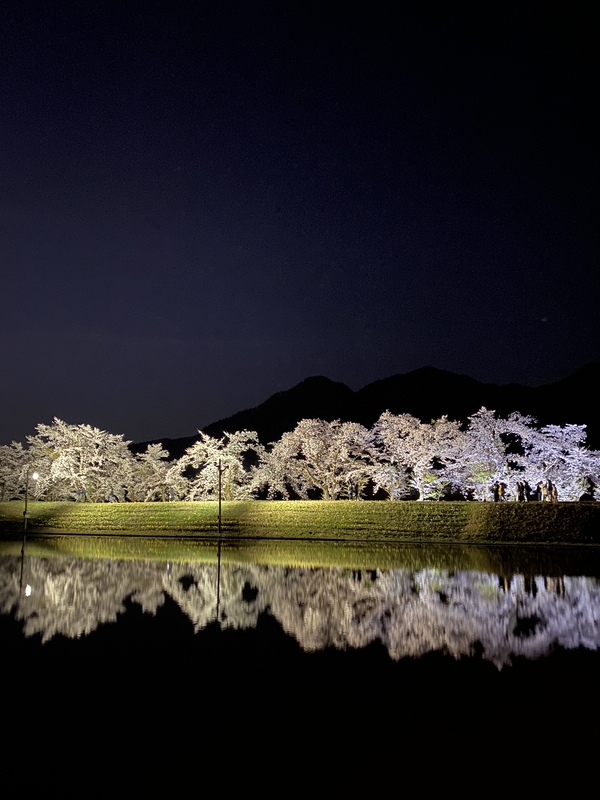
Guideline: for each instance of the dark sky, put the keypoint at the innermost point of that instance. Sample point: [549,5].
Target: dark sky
[203,204]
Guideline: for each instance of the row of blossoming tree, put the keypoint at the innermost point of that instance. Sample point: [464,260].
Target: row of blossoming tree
[399,458]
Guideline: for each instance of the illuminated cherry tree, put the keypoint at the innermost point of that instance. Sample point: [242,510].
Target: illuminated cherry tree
[413,453]
[80,461]
[398,456]
[390,468]
[147,477]
[196,474]
[330,459]
[13,466]
[559,454]
[492,451]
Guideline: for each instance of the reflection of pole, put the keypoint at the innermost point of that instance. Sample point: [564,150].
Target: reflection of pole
[218,578]
[24,530]
[22,563]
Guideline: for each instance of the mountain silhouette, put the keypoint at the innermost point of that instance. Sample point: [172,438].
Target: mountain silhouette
[426,393]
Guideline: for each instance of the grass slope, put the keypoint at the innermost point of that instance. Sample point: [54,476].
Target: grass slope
[444,522]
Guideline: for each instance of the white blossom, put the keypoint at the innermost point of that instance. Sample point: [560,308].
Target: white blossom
[409,450]
[319,457]
[233,454]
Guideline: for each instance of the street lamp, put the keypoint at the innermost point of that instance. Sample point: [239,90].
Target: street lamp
[34,476]
[220,473]
[220,468]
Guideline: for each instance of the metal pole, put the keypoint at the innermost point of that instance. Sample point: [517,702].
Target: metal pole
[26,497]
[219,550]
[219,497]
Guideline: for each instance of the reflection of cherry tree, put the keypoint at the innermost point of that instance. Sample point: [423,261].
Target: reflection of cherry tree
[317,456]
[411,612]
[198,468]
[420,453]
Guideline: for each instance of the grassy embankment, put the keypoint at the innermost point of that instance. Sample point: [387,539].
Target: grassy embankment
[407,521]
[354,534]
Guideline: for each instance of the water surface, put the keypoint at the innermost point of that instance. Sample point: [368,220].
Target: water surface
[371,625]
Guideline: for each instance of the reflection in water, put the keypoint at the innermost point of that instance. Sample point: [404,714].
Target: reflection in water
[412,612]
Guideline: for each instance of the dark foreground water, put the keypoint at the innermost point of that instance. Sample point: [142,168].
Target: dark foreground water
[418,642]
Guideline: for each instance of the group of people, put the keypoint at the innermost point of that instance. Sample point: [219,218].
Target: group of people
[545,492]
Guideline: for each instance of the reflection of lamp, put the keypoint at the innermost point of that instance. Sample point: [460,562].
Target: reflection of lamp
[35,476]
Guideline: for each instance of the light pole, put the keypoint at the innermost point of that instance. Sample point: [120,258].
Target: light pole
[219,546]
[35,476]
[220,473]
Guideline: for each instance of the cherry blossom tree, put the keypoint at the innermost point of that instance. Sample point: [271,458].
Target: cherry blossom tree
[13,466]
[147,477]
[80,461]
[415,452]
[196,474]
[271,475]
[329,459]
[558,453]
[390,464]
[492,452]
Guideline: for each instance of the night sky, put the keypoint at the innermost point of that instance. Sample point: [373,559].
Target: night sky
[203,204]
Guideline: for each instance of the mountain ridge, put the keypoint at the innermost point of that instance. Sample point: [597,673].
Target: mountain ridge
[427,393]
